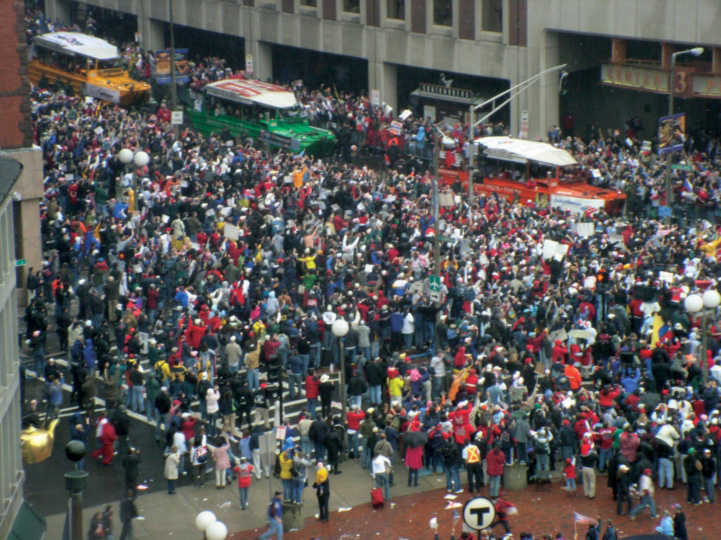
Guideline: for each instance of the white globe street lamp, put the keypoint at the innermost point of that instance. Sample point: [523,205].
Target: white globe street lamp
[125,156]
[693,303]
[696,303]
[141,158]
[711,299]
[340,328]
[216,531]
[204,520]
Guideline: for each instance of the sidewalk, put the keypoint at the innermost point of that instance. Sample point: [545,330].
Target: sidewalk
[173,516]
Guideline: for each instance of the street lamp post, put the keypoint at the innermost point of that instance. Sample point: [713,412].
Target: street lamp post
[340,328]
[695,303]
[75,482]
[208,524]
[139,158]
[696,51]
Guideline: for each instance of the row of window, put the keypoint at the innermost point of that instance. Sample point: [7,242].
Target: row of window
[491,12]
[8,322]
[10,455]
[7,253]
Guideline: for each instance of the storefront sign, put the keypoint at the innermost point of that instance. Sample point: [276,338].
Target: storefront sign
[707,85]
[640,78]
[686,83]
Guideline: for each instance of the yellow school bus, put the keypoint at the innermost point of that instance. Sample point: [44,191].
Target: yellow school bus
[89,64]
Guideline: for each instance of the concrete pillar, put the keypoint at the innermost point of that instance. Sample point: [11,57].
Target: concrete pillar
[262,59]
[58,10]
[152,35]
[383,76]
[546,110]
[150,30]
[515,477]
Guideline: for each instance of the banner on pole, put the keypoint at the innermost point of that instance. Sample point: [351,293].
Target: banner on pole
[671,133]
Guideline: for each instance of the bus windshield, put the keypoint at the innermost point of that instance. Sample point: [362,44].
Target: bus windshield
[249,112]
[114,63]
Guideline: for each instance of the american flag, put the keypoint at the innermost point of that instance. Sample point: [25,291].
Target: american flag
[456,517]
[583,520]
[589,210]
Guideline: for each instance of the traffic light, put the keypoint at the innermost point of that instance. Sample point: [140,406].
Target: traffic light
[602,279]
[275,371]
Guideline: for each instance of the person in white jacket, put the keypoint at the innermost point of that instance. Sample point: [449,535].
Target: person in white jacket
[211,399]
[408,329]
[667,437]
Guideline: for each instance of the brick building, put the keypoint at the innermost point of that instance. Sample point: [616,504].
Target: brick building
[20,188]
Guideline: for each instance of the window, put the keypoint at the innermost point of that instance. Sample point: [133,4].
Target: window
[443,12]
[351,6]
[492,16]
[397,9]
[309,3]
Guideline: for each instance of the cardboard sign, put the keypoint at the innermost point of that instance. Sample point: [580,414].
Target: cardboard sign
[586,230]
[230,231]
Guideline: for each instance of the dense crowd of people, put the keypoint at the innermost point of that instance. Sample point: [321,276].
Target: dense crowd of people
[174,287]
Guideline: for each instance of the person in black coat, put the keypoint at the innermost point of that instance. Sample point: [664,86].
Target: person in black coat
[244,403]
[623,488]
[131,464]
[318,432]
[128,512]
[334,445]
[325,390]
[679,524]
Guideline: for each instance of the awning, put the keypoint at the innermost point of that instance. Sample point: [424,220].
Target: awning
[77,43]
[28,524]
[521,151]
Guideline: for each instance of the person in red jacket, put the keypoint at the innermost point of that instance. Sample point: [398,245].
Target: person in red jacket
[194,333]
[188,426]
[244,471]
[355,416]
[559,353]
[270,348]
[495,461]
[107,438]
[151,302]
[503,510]
[311,392]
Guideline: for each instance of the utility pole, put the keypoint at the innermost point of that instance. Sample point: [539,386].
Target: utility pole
[696,51]
[471,160]
[436,194]
[173,87]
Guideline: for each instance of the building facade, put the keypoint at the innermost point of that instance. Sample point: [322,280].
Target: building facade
[492,40]
[20,188]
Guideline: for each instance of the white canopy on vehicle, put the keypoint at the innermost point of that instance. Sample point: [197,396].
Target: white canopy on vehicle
[521,151]
[252,92]
[77,43]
